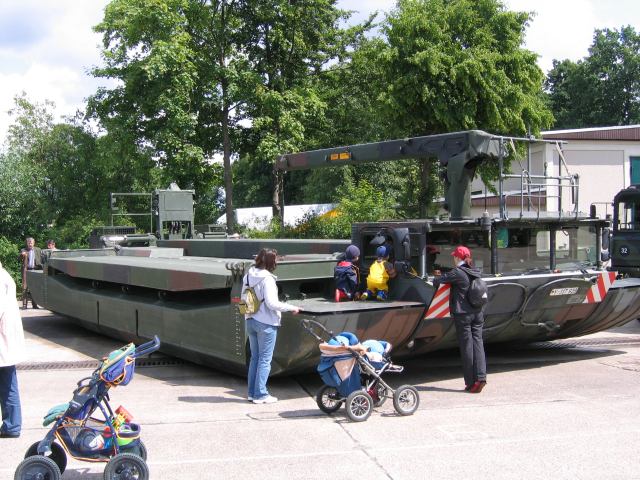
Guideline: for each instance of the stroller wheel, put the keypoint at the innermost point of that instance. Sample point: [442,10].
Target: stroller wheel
[406,399]
[139,449]
[57,455]
[381,393]
[37,466]
[126,466]
[328,399]
[359,406]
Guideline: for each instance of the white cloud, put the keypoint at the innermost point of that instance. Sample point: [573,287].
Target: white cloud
[559,29]
[564,29]
[47,46]
[51,61]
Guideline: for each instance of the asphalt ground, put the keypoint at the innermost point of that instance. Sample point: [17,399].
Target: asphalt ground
[561,410]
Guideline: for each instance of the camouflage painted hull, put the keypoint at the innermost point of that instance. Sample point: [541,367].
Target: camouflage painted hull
[189,302]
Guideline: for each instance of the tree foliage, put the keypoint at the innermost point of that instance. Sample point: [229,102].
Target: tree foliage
[601,89]
[451,65]
[459,64]
[289,46]
[249,80]
[55,177]
[176,75]
[358,202]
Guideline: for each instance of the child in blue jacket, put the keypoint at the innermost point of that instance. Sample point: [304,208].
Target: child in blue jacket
[347,275]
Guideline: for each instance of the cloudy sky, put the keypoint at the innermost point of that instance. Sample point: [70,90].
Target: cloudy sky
[47,46]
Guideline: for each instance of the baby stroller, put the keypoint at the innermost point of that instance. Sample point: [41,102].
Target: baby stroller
[112,439]
[352,374]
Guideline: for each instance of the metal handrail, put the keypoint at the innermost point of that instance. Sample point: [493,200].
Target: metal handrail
[527,185]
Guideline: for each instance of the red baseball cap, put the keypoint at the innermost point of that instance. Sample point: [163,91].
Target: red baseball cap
[461,252]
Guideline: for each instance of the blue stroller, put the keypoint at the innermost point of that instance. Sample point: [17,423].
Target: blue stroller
[352,374]
[112,439]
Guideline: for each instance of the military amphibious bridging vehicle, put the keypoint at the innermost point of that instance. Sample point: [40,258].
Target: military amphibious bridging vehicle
[544,271]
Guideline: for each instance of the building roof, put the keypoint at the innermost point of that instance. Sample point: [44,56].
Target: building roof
[625,133]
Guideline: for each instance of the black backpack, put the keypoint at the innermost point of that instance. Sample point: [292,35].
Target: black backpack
[478,293]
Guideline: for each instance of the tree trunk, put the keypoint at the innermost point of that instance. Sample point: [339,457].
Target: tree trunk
[277,203]
[228,177]
[278,186]
[226,142]
[425,167]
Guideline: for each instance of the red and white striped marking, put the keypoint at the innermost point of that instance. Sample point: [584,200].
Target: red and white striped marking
[599,290]
[439,307]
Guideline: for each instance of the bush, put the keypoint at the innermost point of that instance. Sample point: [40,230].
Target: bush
[9,257]
[75,232]
[358,203]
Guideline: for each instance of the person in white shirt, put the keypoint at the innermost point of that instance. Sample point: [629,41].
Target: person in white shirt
[262,326]
[12,352]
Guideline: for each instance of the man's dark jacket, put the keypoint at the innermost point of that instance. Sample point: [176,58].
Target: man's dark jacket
[459,278]
[37,257]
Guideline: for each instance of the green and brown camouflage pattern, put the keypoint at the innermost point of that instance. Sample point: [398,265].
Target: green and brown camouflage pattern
[186,291]
[190,302]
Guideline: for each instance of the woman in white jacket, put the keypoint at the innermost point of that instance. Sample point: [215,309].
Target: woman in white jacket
[11,352]
[262,326]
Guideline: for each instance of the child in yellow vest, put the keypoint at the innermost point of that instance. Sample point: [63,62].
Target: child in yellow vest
[380,272]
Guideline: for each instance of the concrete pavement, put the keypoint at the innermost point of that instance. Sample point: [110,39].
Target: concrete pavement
[548,411]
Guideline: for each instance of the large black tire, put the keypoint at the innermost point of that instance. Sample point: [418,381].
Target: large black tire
[126,466]
[406,400]
[359,406]
[328,399]
[37,466]
[58,455]
[139,449]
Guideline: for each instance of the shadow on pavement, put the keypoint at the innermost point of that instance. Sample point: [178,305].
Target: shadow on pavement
[212,399]
[81,473]
[421,371]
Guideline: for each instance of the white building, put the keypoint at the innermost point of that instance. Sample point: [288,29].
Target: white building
[259,218]
[606,160]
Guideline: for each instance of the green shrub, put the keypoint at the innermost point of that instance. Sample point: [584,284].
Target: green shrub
[359,202]
[9,257]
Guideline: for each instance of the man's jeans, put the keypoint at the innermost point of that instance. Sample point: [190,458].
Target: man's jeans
[10,401]
[262,341]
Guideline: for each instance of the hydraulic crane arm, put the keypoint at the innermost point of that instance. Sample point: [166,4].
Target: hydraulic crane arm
[459,152]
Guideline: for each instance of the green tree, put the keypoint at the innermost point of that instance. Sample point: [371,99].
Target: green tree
[180,83]
[52,174]
[9,258]
[289,46]
[451,65]
[601,89]
[23,170]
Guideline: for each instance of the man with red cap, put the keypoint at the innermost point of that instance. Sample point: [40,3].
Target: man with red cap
[469,320]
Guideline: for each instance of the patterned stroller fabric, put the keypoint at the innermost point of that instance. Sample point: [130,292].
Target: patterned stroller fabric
[118,367]
[337,369]
[376,350]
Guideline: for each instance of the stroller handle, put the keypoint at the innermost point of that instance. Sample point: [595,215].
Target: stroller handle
[147,348]
[311,326]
